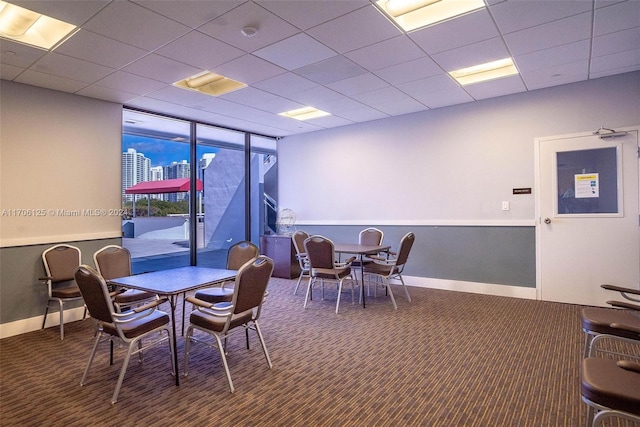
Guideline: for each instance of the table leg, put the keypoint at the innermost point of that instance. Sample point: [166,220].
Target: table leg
[172,302]
[362,280]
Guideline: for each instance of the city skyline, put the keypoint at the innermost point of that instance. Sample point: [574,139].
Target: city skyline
[162,152]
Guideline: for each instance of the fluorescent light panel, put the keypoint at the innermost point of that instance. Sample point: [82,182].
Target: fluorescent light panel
[413,14]
[210,84]
[31,28]
[305,113]
[489,71]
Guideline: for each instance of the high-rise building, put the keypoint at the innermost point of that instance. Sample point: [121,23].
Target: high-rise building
[135,168]
[157,174]
[175,170]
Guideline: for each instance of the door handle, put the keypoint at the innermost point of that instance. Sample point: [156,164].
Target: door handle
[547,220]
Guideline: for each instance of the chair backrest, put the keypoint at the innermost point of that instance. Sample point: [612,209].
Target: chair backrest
[370,236]
[405,247]
[251,284]
[61,262]
[320,252]
[95,293]
[240,253]
[113,261]
[298,241]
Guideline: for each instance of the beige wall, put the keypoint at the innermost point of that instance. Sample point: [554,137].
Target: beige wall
[59,166]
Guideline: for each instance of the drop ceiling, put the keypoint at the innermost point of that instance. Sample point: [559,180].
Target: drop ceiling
[341,56]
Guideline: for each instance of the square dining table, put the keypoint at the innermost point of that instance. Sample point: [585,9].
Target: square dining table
[360,251]
[173,282]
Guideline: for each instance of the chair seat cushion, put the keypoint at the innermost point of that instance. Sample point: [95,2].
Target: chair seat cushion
[216,324]
[598,320]
[133,295]
[214,295]
[66,292]
[609,385]
[331,273]
[155,320]
[381,269]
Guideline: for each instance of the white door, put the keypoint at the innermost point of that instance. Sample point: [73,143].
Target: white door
[588,222]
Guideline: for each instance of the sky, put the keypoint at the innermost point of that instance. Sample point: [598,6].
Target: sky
[161,151]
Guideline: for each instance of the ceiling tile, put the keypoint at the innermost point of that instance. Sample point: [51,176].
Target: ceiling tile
[199,50]
[617,17]
[444,98]
[295,52]
[455,32]
[331,70]
[399,107]
[285,84]
[513,16]
[249,69]
[132,83]
[18,54]
[474,54]
[190,13]
[409,71]
[305,14]
[363,114]
[315,96]
[556,75]
[628,61]
[553,34]
[160,68]
[419,88]
[551,57]
[386,53]
[9,72]
[358,84]
[71,68]
[387,95]
[107,94]
[228,27]
[177,95]
[101,50]
[495,88]
[135,25]
[616,42]
[249,96]
[49,81]
[355,30]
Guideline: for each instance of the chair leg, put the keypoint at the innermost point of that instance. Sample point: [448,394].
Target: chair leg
[187,347]
[393,300]
[46,311]
[91,356]
[224,363]
[264,346]
[125,365]
[61,320]
[295,291]
[340,293]
[406,291]
[306,298]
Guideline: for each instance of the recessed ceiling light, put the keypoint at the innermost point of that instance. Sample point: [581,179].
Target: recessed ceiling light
[210,83]
[28,27]
[413,14]
[305,113]
[489,71]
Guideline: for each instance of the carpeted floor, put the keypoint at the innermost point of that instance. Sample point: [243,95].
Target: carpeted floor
[446,359]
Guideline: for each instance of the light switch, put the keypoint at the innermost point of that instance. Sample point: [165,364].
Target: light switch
[505,206]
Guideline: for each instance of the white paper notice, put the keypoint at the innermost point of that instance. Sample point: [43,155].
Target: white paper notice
[587,185]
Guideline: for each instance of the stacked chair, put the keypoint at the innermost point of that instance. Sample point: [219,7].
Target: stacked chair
[610,385]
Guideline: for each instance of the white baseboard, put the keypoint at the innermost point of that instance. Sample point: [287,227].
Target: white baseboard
[35,323]
[473,287]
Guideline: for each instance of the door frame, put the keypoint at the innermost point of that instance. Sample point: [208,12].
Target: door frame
[538,216]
